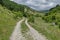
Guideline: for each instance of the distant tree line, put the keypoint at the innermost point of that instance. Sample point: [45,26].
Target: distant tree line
[18,7]
[12,5]
[53,15]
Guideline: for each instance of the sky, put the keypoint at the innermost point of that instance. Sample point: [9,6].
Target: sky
[39,4]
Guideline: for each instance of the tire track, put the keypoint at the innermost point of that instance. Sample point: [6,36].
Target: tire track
[16,35]
[34,33]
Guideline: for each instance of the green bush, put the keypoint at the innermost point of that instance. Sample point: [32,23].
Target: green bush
[53,15]
[31,19]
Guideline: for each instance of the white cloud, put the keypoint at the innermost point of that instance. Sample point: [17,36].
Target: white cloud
[44,1]
[39,4]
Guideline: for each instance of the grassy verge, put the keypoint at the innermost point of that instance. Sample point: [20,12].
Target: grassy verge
[25,31]
[47,29]
[24,28]
[7,23]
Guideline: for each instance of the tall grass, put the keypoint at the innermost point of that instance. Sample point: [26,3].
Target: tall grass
[7,23]
[47,29]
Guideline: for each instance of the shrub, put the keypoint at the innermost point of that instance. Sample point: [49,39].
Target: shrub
[31,19]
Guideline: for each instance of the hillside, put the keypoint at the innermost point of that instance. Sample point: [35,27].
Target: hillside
[47,24]
[10,13]
[53,15]
[7,23]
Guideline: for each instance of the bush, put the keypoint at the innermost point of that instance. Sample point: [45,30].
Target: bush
[59,26]
[31,19]
[53,18]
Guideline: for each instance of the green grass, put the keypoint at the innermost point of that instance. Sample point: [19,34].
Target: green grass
[25,32]
[7,23]
[24,28]
[47,29]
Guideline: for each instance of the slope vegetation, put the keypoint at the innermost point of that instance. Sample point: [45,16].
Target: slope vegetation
[7,23]
[53,16]
[48,24]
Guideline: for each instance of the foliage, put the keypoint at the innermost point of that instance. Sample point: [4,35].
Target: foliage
[12,5]
[31,19]
[7,23]
[53,15]
[17,15]
[47,29]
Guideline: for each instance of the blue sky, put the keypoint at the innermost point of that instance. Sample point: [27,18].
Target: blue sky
[39,4]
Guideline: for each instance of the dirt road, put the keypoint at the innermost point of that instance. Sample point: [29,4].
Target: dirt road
[34,33]
[16,35]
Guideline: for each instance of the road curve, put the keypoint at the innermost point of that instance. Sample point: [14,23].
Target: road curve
[16,35]
[34,33]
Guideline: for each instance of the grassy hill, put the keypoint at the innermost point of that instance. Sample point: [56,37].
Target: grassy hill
[53,16]
[46,23]
[10,13]
[7,23]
